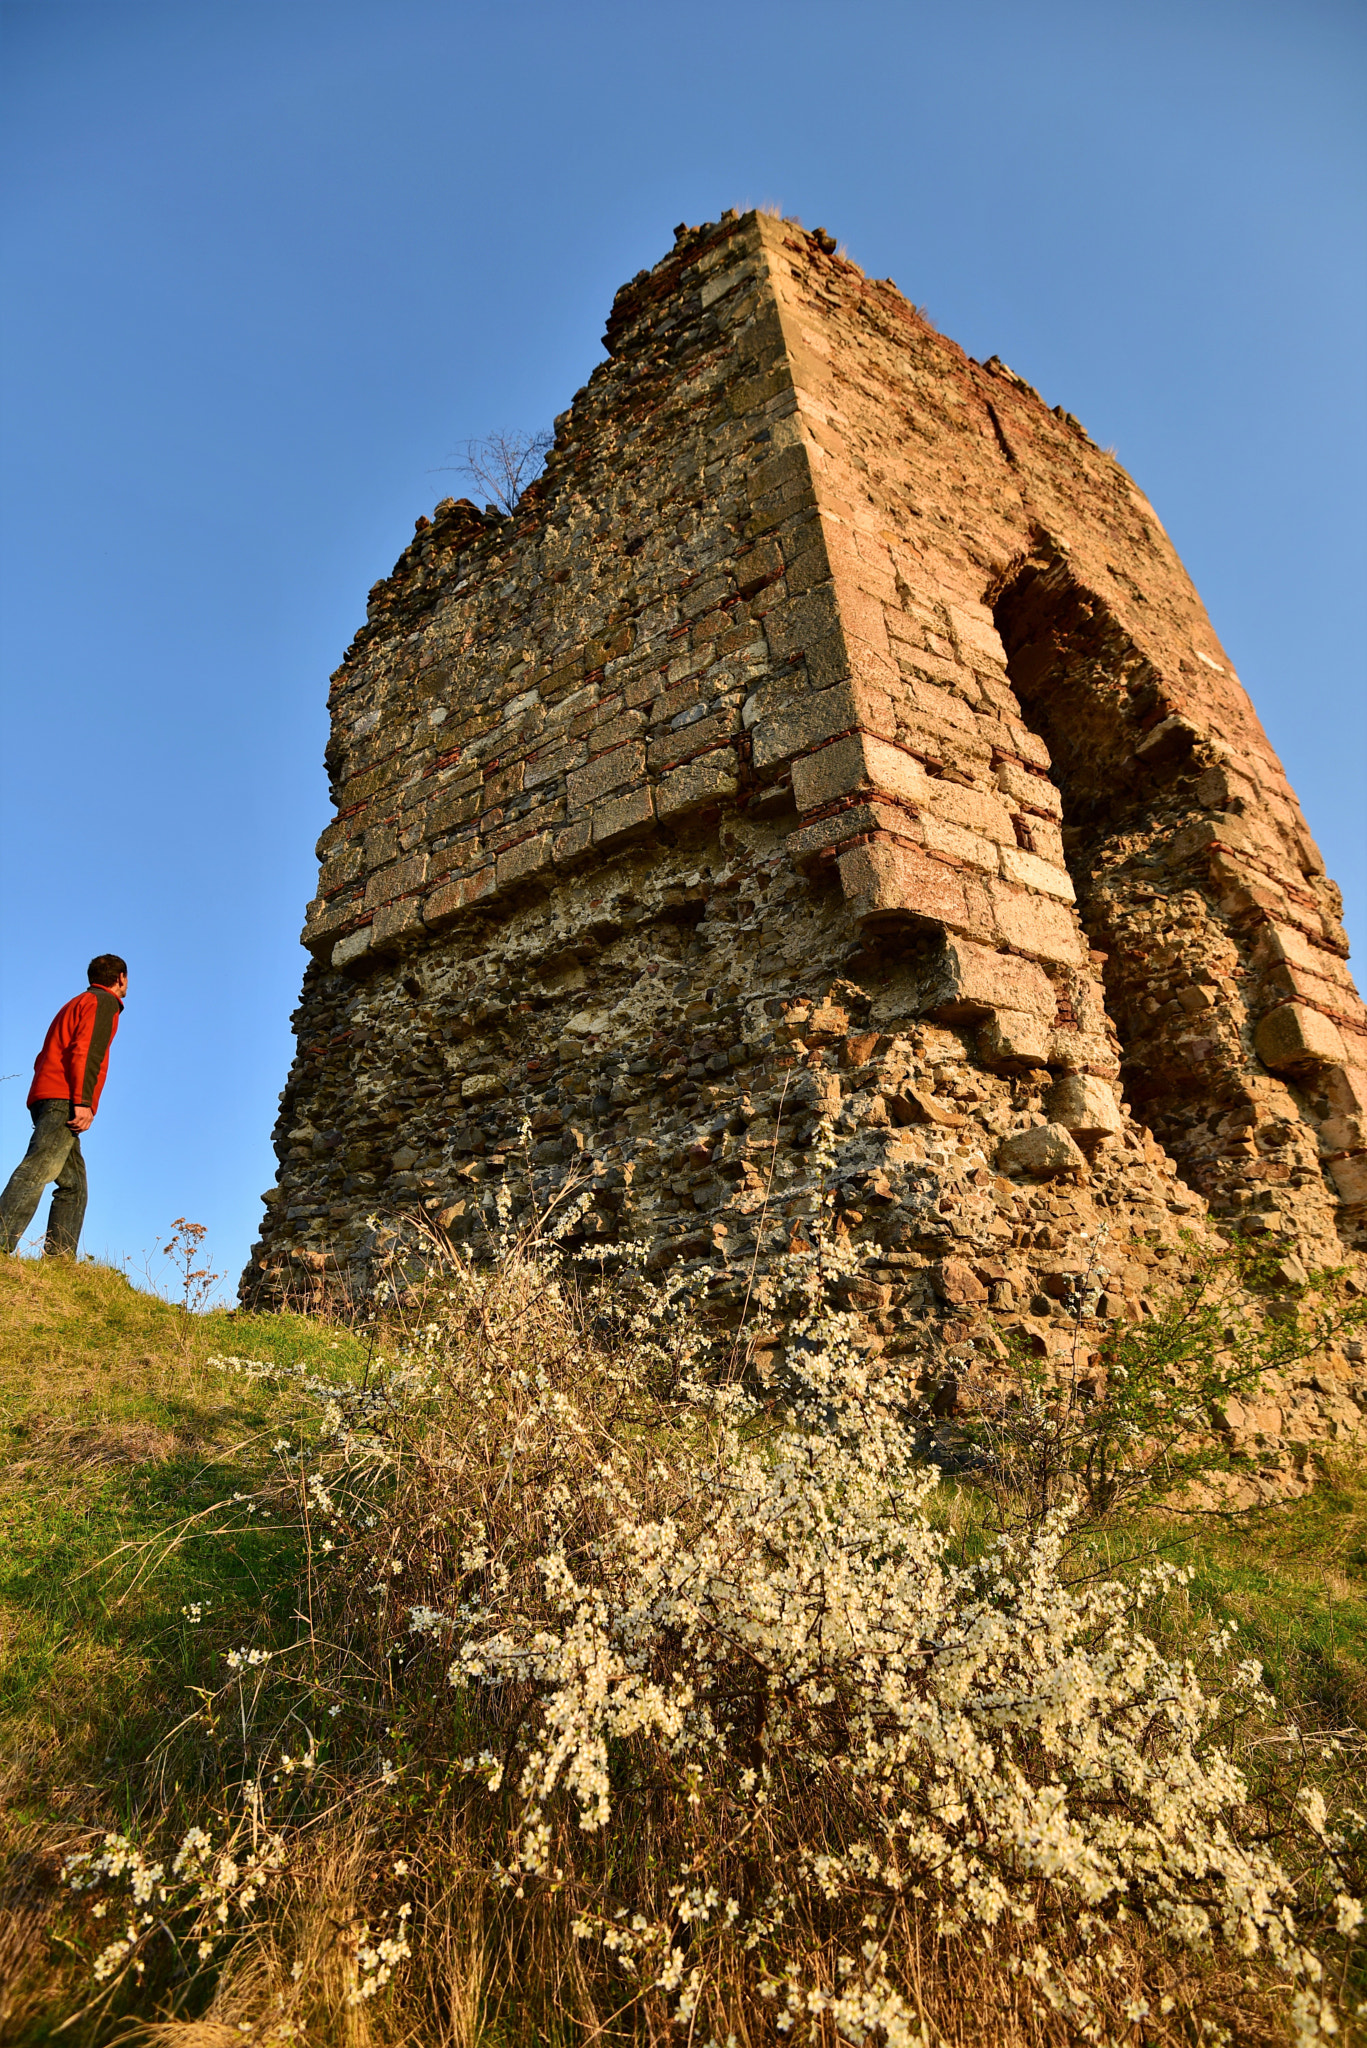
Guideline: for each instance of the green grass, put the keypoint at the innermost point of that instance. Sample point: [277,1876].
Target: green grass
[1295,1580]
[115,1435]
[113,1432]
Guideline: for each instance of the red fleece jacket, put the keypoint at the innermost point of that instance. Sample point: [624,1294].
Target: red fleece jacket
[71,1065]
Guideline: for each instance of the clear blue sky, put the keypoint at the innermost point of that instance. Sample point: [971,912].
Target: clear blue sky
[265,265]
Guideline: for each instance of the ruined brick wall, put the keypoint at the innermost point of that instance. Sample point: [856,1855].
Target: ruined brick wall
[832,732]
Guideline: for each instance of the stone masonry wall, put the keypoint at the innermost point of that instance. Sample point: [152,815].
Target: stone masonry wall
[831,732]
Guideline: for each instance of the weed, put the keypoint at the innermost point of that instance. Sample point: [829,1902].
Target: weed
[196,1282]
[1137,1422]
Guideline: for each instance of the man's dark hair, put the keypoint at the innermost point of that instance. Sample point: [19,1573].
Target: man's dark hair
[105,969]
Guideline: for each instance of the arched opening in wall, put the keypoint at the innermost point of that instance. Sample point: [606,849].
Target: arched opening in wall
[1127,774]
[1083,687]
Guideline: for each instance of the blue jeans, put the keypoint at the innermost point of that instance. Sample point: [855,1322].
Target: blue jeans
[54,1153]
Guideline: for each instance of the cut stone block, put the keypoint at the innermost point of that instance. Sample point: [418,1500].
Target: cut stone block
[957,844]
[697,784]
[853,764]
[1343,1133]
[1278,942]
[573,843]
[1317,991]
[528,857]
[353,947]
[453,897]
[1075,1052]
[1011,1039]
[400,878]
[621,816]
[1031,792]
[1045,1152]
[1169,742]
[396,921]
[1292,1037]
[1037,925]
[1346,1088]
[1350,1177]
[962,981]
[804,725]
[325,921]
[885,884]
[849,822]
[608,771]
[1034,873]
[1085,1106]
[973,810]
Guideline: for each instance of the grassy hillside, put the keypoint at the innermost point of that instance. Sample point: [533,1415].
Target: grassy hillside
[128,1572]
[112,1433]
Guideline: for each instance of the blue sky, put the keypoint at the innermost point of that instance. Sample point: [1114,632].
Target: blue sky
[265,266]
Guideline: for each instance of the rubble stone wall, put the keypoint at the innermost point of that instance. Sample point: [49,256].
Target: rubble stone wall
[831,737]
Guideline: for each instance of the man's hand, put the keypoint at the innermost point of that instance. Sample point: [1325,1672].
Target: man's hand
[81,1120]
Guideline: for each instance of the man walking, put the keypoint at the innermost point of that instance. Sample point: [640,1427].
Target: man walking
[68,1075]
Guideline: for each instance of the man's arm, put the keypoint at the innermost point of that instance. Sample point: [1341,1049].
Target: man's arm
[96,1021]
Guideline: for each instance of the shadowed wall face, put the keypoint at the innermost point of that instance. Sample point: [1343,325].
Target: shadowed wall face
[1189,978]
[831,738]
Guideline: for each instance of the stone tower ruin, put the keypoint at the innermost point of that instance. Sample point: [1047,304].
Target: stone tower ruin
[830,734]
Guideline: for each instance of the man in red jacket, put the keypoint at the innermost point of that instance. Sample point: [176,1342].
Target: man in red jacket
[68,1075]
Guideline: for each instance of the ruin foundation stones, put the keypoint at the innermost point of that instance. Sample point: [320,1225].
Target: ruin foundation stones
[830,737]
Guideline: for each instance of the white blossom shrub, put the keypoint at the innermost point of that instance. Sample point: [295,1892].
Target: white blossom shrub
[204,1888]
[766,1628]
[674,1612]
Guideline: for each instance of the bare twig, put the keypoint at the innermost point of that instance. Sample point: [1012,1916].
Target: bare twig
[503,463]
